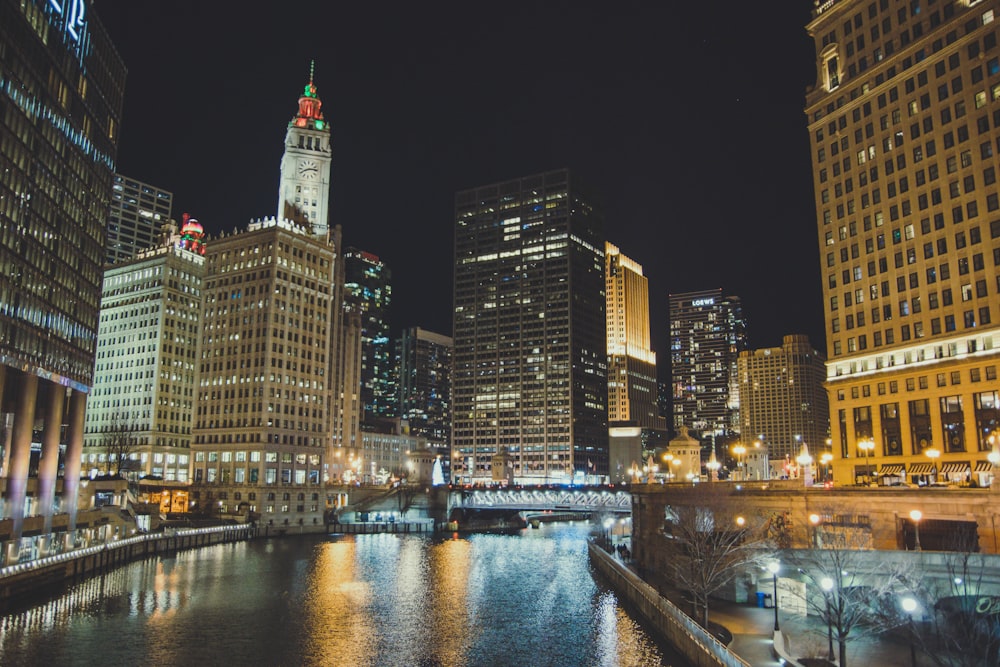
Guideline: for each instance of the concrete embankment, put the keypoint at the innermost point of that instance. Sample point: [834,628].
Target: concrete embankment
[673,625]
[24,579]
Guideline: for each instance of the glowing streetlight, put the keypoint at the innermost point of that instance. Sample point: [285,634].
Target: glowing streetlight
[713,466]
[826,583]
[826,459]
[933,453]
[773,568]
[867,445]
[814,520]
[805,464]
[740,450]
[910,606]
[915,516]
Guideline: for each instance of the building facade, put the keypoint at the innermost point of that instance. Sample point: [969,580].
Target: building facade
[904,121]
[530,365]
[707,334]
[424,361]
[136,218]
[782,398]
[61,86]
[141,408]
[368,290]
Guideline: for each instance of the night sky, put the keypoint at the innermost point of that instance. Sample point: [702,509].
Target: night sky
[687,117]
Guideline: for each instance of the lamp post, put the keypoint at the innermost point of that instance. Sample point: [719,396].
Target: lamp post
[867,445]
[915,516]
[740,450]
[713,466]
[814,520]
[826,459]
[933,453]
[805,465]
[773,568]
[826,583]
[994,458]
[909,606]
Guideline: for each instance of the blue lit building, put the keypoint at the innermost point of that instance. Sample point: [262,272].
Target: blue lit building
[368,288]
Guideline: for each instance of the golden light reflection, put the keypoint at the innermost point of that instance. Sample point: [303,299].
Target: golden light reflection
[450,564]
[337,610]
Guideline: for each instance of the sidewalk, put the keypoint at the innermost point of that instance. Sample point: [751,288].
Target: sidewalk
[752,628]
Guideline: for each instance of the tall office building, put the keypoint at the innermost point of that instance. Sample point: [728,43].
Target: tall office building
[61,84]
[368,289]
[782,398]
[707,334]
[424,361]
[136,218]
[904,121]
[268,350]
[142,404]
[530,366]
[633,395]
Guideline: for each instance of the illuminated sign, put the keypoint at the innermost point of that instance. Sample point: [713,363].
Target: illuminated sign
[703,302]
[74,12]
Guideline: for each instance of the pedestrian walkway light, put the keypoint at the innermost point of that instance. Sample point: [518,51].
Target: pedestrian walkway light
[910,606]
[915,516]
[773,567]
[826,583]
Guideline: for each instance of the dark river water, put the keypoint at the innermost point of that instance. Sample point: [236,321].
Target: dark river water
[366,600]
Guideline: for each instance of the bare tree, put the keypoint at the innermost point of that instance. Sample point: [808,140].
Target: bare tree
[848,585]
[712,539]
[120,440]
[957,620]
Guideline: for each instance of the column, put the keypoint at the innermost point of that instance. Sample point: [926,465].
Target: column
[20,458]
[74,452]
[48,465]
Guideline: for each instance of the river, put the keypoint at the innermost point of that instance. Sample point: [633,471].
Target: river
[367,600]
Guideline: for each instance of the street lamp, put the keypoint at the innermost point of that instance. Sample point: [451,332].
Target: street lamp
[713,466]
[773,568]
[826,583]
[805,465]
[740,450]
[933,453]
[826,460]
[867,445]
[814,520]
[994,458]
[915,516]
[909,606]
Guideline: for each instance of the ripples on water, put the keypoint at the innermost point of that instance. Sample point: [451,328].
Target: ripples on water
[366,601]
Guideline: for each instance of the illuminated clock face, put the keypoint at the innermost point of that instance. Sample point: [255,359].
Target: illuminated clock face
[308,169]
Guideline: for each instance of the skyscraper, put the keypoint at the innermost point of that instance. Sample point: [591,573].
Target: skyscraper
[707,334]
[368,290]
[904,121]
[265,413]
[145,381]
[61,84]
[136,218]
[425,383]
[530,365]
[633,395]
[782,397]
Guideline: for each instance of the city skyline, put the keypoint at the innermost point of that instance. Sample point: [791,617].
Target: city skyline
[705,185]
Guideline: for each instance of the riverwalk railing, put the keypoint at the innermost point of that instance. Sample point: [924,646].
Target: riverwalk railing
[696,643]
[114,544]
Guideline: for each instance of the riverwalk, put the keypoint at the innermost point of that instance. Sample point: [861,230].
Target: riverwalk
[752,628]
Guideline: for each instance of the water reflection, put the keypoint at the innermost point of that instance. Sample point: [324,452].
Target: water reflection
[366,600]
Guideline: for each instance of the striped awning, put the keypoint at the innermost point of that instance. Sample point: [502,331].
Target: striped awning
[983,466]
[921,468]
[891,469]
[955,467]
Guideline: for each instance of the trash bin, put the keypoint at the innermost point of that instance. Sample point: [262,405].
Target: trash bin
[768,601]
[760,599]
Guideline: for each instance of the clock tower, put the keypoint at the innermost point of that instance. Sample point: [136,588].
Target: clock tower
[304,186]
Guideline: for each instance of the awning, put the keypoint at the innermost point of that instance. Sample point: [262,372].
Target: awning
[891,469]
[921,468]
[984,466]
[955,467]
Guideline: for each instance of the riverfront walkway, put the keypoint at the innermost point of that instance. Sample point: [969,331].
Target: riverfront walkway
[752,628]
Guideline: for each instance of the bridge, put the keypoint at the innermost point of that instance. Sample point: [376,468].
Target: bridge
[570,499]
